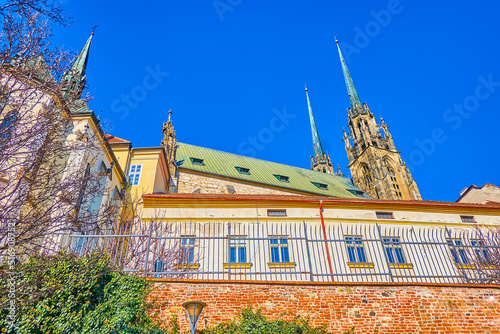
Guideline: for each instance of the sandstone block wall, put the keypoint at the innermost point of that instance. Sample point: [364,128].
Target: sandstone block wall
[189,182]
[370,309]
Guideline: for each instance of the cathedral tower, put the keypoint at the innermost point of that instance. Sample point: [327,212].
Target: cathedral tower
[320,161]
[375,164]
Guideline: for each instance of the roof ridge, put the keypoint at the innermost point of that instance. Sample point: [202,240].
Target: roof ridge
[115,139]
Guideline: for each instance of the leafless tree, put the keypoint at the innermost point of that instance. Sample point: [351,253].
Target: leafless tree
[476,254]
[53,191]
[484,253]
[47,185]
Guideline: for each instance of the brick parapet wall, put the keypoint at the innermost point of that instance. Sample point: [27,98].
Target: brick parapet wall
[370,309]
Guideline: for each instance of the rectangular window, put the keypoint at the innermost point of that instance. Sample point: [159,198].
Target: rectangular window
[481,252]
[197,161]
[243,170]
[238,249]
[187,249]
[458,251]
[384,215]
[7,125]
[279,249]
[159,267]
[394,250]
[282,178]
[355,249]
[4,96]
[275,213]
[135,174]
[467,219]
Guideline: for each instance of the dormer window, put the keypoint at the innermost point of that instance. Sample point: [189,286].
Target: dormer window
[355,192]
[282,178]
[197,161]
[243,170]
[321,186]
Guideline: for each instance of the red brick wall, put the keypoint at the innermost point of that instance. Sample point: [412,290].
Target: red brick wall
[370,309]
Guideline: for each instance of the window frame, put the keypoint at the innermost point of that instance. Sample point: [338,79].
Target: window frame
[187,245]
[322,186]
[197,161]
[458,251]
[467,219]
[279,243]
[277,212]
[380,215]
[394,250]
[243,170]
[133,181]
[356,252]
[8,124]
[238,243]
[282,178]
[481,254]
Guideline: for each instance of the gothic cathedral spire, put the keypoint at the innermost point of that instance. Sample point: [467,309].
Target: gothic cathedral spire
[73,81]
[320,162]
[351,90]
[375,164]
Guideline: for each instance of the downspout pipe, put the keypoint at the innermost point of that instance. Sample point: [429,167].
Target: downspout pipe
[325,238]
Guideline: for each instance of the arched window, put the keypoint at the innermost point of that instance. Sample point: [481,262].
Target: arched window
[367,176]
[367,127]
[359,129]
[396,190]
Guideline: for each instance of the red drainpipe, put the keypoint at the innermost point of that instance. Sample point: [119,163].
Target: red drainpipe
[324,237]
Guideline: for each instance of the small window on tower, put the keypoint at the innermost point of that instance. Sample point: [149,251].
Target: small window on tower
[282,178]
[197,161]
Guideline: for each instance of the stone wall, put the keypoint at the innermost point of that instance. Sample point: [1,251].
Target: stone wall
[370,309]
[208,184]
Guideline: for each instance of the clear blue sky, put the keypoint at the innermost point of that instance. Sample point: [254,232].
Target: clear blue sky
[230,63]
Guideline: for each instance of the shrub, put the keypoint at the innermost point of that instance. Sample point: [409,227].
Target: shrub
[254,322]
[67,294]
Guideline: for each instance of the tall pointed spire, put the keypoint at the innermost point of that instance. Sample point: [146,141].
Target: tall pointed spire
[318,149]
[320,162]
[351,90]
[73,81]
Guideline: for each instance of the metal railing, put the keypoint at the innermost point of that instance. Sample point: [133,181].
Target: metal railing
[296,251]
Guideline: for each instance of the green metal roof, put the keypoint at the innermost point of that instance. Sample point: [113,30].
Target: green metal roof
[264,172]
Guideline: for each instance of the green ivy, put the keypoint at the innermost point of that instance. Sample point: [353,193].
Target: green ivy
[67,294]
